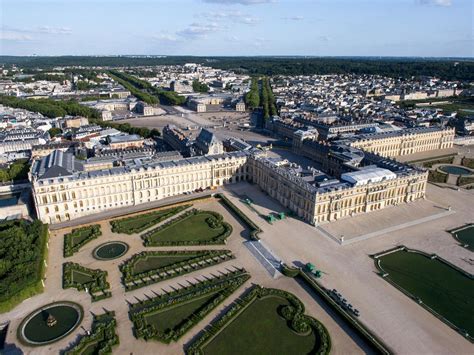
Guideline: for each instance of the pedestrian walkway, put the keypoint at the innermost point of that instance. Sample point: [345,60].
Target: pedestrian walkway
[265,256]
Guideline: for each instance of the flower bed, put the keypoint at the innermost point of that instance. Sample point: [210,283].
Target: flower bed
[138,223]
[100,340]
[169,316]
[79,237]
[170,264]
[274,316]
[193,227]
[82,278]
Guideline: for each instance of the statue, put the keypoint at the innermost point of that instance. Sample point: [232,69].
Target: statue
[51,321]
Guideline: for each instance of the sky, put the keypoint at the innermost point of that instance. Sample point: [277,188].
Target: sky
[425,28]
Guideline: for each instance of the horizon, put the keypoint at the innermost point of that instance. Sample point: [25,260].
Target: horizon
[238,28]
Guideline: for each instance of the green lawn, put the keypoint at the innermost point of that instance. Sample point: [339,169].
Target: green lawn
[439,286]
[466,237]
[139,223]
[157,262]
[260,330]
[191,229]
[171,318]
[81,277]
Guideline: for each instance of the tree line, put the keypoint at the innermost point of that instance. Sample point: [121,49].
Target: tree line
[49,107]
[146,92]
[448,69]
[126,127]
[17,171]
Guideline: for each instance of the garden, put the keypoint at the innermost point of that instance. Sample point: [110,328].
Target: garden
[169,316]
[264,321]
[150,267]
[193,227]
[138,223]
[101,339]
[22,255]
[83,279]
[432,282]
[79,237]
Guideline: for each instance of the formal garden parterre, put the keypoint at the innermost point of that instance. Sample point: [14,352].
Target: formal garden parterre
[194,227]
[84,279]
[434,283]
[100,340]
[138,223]
[149,267]
[169,316]
[79,237]
[264,321]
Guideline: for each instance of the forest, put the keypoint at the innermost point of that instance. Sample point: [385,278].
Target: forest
[22,248]
[445,68]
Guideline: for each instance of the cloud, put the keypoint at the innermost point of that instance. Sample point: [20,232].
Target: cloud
[444,3]
[293,18]
[54,30]
[29,34]
[232,16]
[14,36]
[165,38]
[199,30]
[240,2]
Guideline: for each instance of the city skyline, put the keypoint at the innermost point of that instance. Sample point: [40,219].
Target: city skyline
[425,28]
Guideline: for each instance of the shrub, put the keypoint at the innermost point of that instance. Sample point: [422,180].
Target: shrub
[288,312]
[97,287]
[84,234]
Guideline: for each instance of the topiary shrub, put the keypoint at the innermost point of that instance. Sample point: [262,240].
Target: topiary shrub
[299,324]
[287,312]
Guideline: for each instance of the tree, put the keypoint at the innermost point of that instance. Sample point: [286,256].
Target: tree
[53,132]
[200,87]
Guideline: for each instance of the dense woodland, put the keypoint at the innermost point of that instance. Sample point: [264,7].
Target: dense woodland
[22,246]
[50,108]
[17,171]
[449,68]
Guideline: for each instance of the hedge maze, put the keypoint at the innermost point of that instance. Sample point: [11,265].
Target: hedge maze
[264,321]
[169,316]
[138,223]
[150,267]
[82,278]
[79,237]
[101,339]
[193,227]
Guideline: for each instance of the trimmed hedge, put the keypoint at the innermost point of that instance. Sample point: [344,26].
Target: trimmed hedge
[223,286]
[98,288]
[119,225]
[299,322]
[254,229]
[90,232]
[197,260]
[102,334]
[213,222]
[436,176]
[289,271]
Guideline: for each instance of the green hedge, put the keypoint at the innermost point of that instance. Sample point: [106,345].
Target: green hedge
[223,286]
[133,281]
[436,176]
[300,322]
[468,162]
[254,229]
[23,249]
[216,222]
[89,233]
[289,271]
[120,225]
[430,163]
[102,334]
[98,288]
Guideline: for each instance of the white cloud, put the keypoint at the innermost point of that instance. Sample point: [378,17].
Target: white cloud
[14,36]
[240,2]
[165,38]
[199,30]
[293,18]
[232,16]
[444,3]
[54,30]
